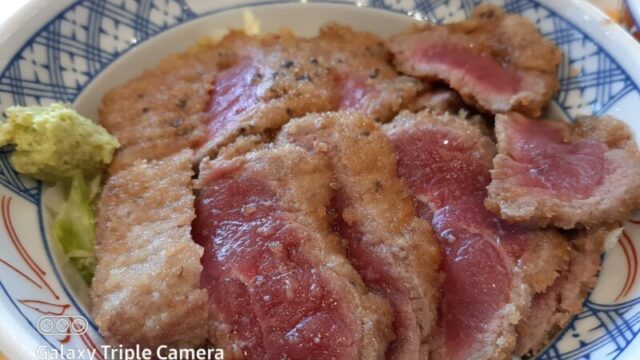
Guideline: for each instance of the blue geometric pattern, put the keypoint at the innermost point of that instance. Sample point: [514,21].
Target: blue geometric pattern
[59,61]
[67,53]
[25,187]
[617,326]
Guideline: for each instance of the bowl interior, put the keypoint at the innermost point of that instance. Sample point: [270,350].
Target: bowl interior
[302,19]
[577,97]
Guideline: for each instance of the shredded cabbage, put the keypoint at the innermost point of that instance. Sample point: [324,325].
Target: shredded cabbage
[74,225]
[57,145]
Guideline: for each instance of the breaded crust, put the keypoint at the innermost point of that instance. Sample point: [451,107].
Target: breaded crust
[302,185]
[161,112]
[364,57]
[380,207]
[146,289]
[242,145]
[551,310]
[610,202]
[279,76]
[294,76]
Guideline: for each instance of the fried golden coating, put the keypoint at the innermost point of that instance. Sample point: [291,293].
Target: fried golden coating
[551,310]
[162,111]
[146,288]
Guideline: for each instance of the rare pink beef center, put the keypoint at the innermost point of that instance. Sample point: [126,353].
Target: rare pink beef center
[481,69]
[261,286]
[479,250]
[545,161]
[234,94]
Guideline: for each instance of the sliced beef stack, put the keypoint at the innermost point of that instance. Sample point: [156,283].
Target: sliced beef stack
[491,269]
[277,277]
[496,61]
[394,250]
[278,281]
[582,177]
[556,173]
[329,236]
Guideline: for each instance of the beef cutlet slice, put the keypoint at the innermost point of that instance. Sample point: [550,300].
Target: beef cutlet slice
[491,269]
[250,85]
[146,289]
[279,282]
[265,80]
[565,175]
[496,61]
[269,79]
[395,251]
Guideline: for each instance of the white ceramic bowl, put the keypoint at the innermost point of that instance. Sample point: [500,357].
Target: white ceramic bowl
[75,51]
[634,9]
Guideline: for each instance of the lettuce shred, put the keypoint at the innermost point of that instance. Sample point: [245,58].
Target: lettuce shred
[74,225]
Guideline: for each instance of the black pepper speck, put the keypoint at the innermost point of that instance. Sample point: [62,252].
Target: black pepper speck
[288,64]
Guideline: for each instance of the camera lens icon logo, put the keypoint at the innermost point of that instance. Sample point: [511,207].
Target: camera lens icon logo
[62,325]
